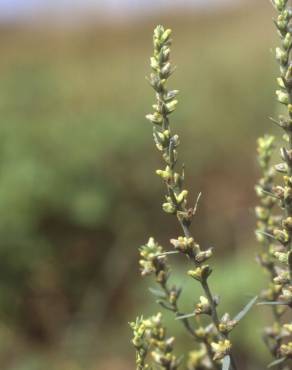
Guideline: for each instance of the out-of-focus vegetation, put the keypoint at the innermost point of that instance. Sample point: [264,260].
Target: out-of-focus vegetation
[76,184]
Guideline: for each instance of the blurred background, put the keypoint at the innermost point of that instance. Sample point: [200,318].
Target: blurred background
[78,193]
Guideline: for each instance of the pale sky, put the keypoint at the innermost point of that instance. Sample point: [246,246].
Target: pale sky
[13,9]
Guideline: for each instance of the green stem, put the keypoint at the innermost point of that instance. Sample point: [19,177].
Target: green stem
[209,296]
[188,327]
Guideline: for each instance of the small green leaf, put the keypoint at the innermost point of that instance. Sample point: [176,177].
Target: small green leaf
[168,253]
[243,312]
[226,363]
[265,234]
[269,303]
[197,203]
[165,305]
[275,122]
[157,293]
[277,362]
[272,195]
[185,316]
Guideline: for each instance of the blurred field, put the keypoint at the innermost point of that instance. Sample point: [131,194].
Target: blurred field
[78,193]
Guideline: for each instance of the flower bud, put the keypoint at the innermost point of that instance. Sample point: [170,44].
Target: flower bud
[173,295]
[204,255]
[164,174]
[155,118]
[286,295]
[281,56]
[196,359]
[280,4]
[171,94]
[182,196]
[260,238]
[286,350]
[166,70]
[280,82]
[281,257]
[288,327]
[287,41]
[169,208]
[200,273]
[282,97]
[166,35]
[186,245]
[282,236]
[287,223]
[158,31]
[226,324]
[283,278]
[171,106]
[262,213]
[282,22]
[154,64]
[221,349]
[152,260]
[165,53]
[203,307]
[281,167]
[279,191]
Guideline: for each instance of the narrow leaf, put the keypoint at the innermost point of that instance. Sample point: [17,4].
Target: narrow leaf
[226,363]
[272,195]
[275,121]
[209,327]
[268,303]
[196,204]
[180,360]
[164,305]
[185,316]
[277,362]
[266,234]
[243,312]
[167,253]
[157,293]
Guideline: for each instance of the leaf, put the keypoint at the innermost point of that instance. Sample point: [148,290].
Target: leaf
[157,293]
[197,203]
[265,234]
[245,310]
[277,362]
[269,303]
[185,316]
[226,363]
[281,167]
[165,305]
[272,195]
[180,360]
[275,122]
[168,253]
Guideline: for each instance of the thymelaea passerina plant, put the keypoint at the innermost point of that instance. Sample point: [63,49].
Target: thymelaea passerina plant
[212,343]
[274,229]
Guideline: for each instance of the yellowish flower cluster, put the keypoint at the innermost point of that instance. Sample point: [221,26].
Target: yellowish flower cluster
[149,337]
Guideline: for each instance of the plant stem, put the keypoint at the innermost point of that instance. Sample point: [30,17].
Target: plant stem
[210,298]
[186,323]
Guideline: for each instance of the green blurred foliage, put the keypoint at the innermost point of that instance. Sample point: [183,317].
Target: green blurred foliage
[78,192]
